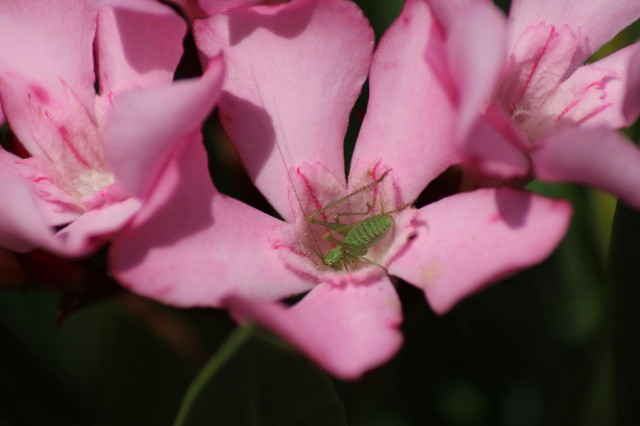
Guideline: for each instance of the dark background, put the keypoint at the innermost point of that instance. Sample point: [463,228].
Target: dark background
[532,350]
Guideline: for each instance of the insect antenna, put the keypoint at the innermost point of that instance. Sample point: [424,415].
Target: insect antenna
[284,162]
[399,209]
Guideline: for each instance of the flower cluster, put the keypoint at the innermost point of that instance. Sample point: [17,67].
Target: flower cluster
[104,146]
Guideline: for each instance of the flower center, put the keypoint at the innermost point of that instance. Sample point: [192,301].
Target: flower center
[67,167]
[542,91]
[90,182]
[339,230]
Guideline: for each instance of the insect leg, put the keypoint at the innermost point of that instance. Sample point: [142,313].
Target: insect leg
[336,218]
[399,209]
[339,228]
[375,263]
[346,197]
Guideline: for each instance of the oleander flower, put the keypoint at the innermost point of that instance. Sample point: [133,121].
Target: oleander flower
[294,73]
[69,180]
[527,107]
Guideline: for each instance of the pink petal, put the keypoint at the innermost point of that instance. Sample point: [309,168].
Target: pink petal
[203,8]
[143,126]
[8,167]
[492,155]
[25,222]
[584,99]
[141,6]
[410,118]
[52,210]
[540,59]
[597,21]
[191,9]
[598,157]
[476,48]
[295,71]
[191,246]
[139,45]
[472,239]
[622,93]
[211,7]
[69,164]
[631,107]
[46,53]
[22,226]
[448,11]
[95,227]
[348,330]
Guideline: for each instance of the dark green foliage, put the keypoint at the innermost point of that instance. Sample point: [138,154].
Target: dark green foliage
[252,380]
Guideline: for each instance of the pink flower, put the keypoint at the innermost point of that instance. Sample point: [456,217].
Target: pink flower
[295,71]
[526,106]
[202,8]
[73,168]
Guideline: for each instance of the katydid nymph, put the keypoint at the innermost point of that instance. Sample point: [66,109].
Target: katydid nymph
[358,237]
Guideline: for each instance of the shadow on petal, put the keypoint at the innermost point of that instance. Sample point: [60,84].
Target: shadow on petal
[179,206]
[248,21]
[513,206]
[259,131]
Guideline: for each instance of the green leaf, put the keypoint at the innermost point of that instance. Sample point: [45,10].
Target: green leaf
[253,380]
[625,273]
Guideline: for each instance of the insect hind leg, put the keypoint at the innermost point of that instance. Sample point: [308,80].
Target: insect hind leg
[349,195]
[386,271]
[399,209]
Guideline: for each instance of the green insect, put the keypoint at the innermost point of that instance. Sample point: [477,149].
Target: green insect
[358,237]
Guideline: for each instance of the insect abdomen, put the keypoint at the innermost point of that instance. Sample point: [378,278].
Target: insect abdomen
[369,231]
